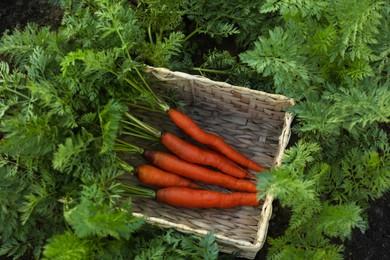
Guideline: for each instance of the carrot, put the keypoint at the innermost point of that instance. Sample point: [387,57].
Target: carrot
[192,171]
[193,198]
[196,154]
[184,149]
[150,175]
[186,197]
[215,142]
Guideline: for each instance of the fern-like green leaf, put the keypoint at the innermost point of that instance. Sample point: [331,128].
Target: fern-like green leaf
[163,50]
[34,136]
[359,22]
[281,56]
[154,251]
[301,155]
[110,116]
[88,218]
[338,221]
[68,154]
[291,8]
[160,15]
[68,246]
[20,45]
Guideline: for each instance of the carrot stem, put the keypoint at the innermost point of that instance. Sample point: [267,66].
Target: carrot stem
[125,166]
[141,126]
[201,70]
[147,108]
[131,132]
[127,147]
[138,191]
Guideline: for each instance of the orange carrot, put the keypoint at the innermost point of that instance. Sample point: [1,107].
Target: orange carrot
[215,142]
[172,163]
[184,149]
[196,154]
[150,175]
[186,197]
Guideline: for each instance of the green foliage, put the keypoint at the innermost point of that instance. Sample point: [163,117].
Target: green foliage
[67,246]
[102,231]
[291,8]
[27,202]
[160,16]
[359,177]
[285,247]
[281,56]
[338,220]
[163,244]
[339,120]
[110,116]
[34,136]
[90,218]
[175,245]
[240,19]
[63,94]
[161,52]
[70,154]
[290,186]
[39,201]
[320,41]
[327,201]
[223,66]
[359,23]
[21,44]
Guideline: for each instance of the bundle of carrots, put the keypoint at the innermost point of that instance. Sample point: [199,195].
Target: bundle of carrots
[179,174]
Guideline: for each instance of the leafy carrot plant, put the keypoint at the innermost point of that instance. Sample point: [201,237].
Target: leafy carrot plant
[63,95]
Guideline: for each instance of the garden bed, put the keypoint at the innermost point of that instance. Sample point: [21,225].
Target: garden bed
[373,244]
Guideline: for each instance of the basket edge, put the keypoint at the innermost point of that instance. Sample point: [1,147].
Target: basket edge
[157,71]
[284,139]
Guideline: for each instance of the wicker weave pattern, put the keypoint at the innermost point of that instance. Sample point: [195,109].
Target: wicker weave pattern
[254,123]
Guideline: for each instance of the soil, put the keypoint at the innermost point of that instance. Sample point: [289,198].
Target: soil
[373,244]
[17,13]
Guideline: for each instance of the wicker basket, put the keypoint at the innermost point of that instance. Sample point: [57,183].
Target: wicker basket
[254,123]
